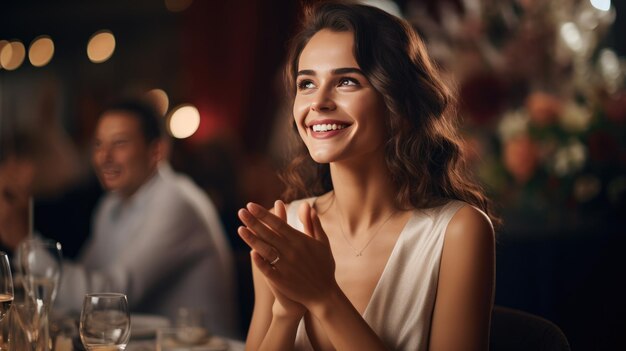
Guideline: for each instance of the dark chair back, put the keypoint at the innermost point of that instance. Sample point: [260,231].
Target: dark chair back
[514,330]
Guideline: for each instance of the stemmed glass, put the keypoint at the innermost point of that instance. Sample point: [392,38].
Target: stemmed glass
[40,272]
[32,316]
[6,295]
[40,265]
[6,285]
[105,322]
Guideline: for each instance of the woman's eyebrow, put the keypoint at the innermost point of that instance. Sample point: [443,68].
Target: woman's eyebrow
[343,70]
[306,72]
[348,70]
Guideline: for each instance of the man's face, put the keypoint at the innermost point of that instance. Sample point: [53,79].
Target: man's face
[122,158]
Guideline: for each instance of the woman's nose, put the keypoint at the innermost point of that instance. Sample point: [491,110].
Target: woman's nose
[323,102]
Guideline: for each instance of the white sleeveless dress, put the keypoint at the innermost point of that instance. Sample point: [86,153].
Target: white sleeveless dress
[401,306]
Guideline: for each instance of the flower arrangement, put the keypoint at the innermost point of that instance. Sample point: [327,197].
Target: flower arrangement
[560,152]
[542,98]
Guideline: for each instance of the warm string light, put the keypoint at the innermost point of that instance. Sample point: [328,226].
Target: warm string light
[41,51]
[12,55]
[184,121]
[177,5]
[3,43]
[158,98]
[101,46]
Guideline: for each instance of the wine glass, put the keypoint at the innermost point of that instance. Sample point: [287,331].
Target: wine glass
[105,322]
[6,295]
[40,265]
[31,315]
[6,285]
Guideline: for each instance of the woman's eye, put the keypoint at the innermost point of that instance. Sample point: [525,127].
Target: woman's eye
[305,84]
[348,82]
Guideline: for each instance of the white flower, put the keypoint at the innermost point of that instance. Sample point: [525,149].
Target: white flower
[570,158]
[575,118]
[514,123]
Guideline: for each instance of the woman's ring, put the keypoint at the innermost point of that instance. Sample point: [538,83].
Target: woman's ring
[275,260]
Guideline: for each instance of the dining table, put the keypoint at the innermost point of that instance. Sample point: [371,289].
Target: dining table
[151,345]
[148,333]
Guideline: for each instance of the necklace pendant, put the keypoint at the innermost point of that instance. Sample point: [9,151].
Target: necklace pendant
[359,254]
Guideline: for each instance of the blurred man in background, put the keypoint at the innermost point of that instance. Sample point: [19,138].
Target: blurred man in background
[156,236]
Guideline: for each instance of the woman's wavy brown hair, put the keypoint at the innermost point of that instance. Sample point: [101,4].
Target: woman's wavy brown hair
[424,153]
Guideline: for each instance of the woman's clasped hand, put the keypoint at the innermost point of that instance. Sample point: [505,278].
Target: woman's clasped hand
[299,267]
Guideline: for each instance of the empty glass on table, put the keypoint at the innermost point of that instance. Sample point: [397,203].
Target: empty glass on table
[105,322]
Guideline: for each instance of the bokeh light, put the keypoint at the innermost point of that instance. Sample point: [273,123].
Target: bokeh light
[101,46]
[3,43]
[602,5]
[41,51]
[571,36]
[184,121]
[177,5]
[12,55]
[158,98]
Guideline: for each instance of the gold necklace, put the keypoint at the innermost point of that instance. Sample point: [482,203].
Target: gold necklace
[359,253]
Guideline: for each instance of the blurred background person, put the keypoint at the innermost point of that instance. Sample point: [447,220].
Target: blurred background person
[40,162]
[157,237]
[16,176]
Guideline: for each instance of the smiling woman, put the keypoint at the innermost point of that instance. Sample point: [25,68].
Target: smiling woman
[333,91]
[358,260]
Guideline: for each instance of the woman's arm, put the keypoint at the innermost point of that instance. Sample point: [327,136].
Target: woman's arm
[265,330]
[465,291]
[345,327]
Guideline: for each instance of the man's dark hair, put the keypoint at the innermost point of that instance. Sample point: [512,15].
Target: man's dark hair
[149,119]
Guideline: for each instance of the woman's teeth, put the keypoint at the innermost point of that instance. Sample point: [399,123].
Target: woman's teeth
[327,127]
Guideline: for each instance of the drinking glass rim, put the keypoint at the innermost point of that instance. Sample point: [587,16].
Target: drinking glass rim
[45,241]
[106,294]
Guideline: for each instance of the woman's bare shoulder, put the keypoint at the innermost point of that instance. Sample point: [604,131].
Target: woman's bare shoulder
[470,224]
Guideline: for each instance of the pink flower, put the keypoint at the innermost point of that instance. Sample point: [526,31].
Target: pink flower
[543,108]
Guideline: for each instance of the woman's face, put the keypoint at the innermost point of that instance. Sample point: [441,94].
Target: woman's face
[339,114]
